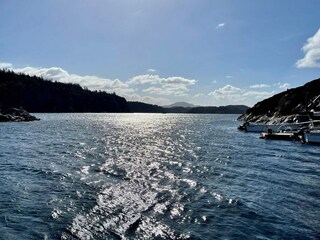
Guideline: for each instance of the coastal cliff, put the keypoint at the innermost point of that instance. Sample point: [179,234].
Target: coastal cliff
[287,105]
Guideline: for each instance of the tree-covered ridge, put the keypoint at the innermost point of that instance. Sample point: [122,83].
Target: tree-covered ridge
[36,94]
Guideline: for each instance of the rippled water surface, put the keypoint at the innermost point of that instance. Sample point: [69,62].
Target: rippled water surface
[154,176]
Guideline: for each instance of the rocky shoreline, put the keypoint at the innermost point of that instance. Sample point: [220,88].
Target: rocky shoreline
[16,115]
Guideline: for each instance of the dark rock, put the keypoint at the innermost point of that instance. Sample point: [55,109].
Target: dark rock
[4,118]
[16,115]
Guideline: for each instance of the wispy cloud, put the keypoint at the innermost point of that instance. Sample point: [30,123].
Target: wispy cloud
[260,86]
[5,65]
[284,86]
[152,70]
[221,25]
[170,86]
[156,79]
[144,79]
[168,90]
[228,76]
[229,94]
[225,92]
[198,95]
[311,50]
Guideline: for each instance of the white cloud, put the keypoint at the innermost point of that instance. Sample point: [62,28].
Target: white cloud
[220,25]
[225,91]
[284,86]
[143,79]
[156,79]
[198,95]
[5,65]
[233,95]
[258,95]
[151,70]
[170,86]
[229,76]
[260,86]
[214,81]
[311,50]
[168,90]
[178,81]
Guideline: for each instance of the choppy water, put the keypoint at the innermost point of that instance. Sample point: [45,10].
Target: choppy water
[154,176]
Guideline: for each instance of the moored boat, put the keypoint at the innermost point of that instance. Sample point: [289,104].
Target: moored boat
[312,136]
[285,132]
[256,127]
[279,136]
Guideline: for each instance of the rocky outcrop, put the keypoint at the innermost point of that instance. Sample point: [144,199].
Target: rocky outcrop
[286,106]
[16,115]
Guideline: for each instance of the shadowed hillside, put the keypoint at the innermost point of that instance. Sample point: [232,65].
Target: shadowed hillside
[293,101]
[38,95]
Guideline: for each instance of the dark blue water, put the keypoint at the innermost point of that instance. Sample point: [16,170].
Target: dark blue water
[154,176]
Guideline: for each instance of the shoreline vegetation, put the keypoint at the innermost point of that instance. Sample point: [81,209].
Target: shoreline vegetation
[38,95]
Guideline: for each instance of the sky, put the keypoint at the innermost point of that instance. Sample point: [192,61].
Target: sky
[205,52]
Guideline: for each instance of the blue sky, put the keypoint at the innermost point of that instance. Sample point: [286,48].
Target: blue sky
[204,52]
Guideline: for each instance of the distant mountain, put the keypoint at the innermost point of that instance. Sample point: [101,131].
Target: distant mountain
[180,104]
[284,106]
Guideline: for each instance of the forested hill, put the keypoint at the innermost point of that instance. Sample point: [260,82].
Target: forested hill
[35,94]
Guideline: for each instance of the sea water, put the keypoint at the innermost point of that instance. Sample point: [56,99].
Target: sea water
[154,176]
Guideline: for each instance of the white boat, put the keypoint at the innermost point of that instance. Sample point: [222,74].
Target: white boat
[256,127]
[282,127]
[312,136]
[262,127]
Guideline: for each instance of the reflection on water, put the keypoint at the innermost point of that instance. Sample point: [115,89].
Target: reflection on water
[153,176]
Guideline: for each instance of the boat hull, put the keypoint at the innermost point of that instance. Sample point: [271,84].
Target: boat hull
[261,127]
[279,136]
[312,137]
